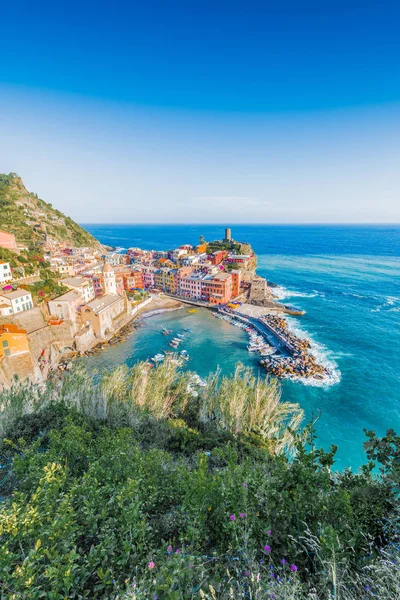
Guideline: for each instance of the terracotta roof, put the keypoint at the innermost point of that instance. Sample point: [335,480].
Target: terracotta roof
[11,328]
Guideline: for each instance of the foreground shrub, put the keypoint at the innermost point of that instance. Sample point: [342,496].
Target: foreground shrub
[113,491]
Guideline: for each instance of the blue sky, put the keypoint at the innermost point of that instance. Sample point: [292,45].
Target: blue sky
[189,111]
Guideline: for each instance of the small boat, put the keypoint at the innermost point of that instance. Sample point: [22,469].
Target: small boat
[186,329]
[180,336]
[192,310]
[158,358]
[166,331]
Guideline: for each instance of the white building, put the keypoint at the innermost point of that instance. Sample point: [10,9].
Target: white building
[5,272]
[81,285]
[66,306]
[12,303]
[109,283]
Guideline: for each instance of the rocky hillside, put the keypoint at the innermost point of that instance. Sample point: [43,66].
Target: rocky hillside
[31,219]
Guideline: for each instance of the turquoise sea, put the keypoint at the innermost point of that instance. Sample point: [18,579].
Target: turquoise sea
[347,278]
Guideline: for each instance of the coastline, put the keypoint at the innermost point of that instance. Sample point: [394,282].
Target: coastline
[123,333]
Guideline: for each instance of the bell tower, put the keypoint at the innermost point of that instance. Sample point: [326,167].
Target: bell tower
[109,283]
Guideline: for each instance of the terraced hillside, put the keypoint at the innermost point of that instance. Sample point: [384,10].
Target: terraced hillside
[31,219]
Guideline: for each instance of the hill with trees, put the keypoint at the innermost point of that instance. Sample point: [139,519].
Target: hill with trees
[31,219]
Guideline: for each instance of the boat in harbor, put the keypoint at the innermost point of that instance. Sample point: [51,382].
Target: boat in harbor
[192,310]
[184,354]
[166,331]
[158,358]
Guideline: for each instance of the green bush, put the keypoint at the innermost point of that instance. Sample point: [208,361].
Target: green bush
[103,491]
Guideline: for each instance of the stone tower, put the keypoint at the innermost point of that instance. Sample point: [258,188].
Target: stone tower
[110,286]
[228,235]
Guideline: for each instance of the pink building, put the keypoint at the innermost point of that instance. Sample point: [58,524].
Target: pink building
[191,286]
[148,276]
[7,240]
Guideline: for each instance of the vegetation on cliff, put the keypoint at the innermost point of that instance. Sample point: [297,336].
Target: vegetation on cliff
[30,219]
[134,489]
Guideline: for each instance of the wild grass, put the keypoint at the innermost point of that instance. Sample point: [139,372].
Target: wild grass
[240,403]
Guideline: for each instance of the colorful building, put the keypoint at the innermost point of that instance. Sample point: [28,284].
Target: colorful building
[191,286]
[201,248]
[218,289]
[148,274]
[13,341]
[236,282]
[217,257]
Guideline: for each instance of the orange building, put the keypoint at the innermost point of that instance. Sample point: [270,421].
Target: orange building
[13,340]
[218,290]
[201,248]
[236,282]
[217,257]
[127,279]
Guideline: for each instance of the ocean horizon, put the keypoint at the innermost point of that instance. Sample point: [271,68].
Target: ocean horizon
[346,278]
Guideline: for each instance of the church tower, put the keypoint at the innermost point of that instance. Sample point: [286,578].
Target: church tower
[109,284]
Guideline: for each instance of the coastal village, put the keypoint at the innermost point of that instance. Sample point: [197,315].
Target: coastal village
[106,289]
[63,294]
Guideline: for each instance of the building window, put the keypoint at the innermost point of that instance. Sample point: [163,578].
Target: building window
[4,343]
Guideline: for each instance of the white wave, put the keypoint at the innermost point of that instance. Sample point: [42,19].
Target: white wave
[281,293]
[321,354]
[388,304]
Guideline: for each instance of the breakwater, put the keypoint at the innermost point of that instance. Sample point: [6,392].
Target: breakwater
[293,359]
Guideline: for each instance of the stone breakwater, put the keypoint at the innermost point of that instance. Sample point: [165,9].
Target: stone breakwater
[296,362]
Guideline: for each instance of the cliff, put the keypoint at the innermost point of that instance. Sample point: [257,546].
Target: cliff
[32,220]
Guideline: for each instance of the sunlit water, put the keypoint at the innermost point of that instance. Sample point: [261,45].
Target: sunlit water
[348,281]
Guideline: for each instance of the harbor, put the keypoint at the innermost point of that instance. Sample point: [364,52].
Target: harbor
[282,353]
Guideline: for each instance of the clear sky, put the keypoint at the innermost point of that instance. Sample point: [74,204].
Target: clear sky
[204,111]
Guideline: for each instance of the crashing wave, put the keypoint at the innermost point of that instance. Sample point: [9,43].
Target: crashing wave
[322,356]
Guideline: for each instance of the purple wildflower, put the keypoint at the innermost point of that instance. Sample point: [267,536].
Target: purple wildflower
[283,561]
[267,549]
[177,551]
[367,588]
[246,573]
[294,568]
[151,565]
[169,549]
[242,515]
[232,518]
[269,532]
[245,485]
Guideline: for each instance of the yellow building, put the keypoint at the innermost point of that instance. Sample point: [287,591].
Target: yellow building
[170,281]
[13,340]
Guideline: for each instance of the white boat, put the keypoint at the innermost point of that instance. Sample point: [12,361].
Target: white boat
[158,358]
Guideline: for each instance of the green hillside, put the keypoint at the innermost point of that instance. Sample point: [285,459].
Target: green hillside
[31,219]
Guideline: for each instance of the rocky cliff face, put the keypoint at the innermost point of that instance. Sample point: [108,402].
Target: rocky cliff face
[31,219]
